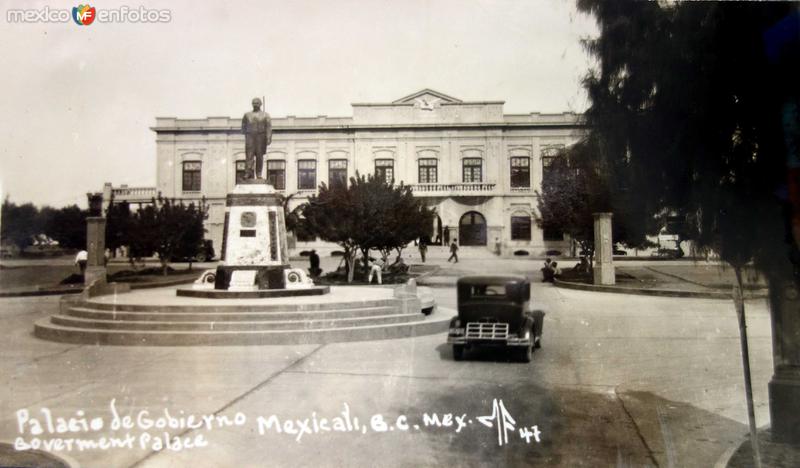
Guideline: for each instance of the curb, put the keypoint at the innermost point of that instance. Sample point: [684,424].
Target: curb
[650,292]
[727,455]
[59,292]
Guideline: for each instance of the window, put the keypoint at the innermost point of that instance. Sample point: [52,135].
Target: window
[428,169]
[191,176]
[241,167]
[521,172]
[337,173]
[473,170]
[549,154]
[306,174]
[276,174]
[384,169]
[520,227]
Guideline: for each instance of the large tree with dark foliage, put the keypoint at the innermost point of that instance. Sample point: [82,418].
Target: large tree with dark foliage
[66,225]
[572,191]
[20,223]
[694,110]
[366,214]
[167,229]
[119,220]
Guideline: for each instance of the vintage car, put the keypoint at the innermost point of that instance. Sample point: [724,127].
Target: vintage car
[495,311]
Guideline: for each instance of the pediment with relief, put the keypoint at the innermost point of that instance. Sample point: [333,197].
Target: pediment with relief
[427,99]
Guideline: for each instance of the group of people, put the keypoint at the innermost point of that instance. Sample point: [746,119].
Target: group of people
[550,271]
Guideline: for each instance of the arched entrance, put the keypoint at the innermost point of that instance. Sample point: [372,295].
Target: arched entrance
[472,229]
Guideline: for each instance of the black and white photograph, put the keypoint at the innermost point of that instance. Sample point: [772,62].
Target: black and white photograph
[377,233]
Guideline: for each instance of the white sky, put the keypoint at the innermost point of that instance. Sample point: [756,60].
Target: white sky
[78,101]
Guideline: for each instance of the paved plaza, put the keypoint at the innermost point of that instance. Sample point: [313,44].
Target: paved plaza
[620,380]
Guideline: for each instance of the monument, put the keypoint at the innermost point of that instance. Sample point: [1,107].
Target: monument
[255,254]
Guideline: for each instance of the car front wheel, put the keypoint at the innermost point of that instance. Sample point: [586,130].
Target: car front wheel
[526,353]
[458,352]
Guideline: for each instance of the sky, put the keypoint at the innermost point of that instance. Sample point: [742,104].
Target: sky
[79,101]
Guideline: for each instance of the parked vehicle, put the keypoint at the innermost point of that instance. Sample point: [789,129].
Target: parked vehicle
[495,311]
[205,254]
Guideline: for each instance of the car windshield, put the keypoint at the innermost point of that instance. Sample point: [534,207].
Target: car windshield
[488,290]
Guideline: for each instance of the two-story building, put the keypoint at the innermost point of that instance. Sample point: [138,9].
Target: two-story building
[480,168]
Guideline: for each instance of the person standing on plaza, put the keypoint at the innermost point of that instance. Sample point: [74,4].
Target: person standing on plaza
[313,260]
[423,248]
[453,252]
[375,268]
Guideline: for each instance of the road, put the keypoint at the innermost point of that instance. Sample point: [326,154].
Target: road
[620,380]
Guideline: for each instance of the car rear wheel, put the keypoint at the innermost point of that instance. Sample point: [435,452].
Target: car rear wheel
[458,352]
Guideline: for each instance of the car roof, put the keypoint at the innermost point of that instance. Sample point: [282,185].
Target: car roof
[489,279]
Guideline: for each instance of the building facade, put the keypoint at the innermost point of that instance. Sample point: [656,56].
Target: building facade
[480,168]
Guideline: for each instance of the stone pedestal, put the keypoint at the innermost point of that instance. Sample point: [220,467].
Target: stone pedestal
[603,250]
[96,248]
[784,387]
[254,238]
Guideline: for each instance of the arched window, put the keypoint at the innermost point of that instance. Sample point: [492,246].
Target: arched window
[337,172]
[520,172]
[384,169]
[428,171]
[191,176]
[241,169]
[520,226]
[306,174]
[473,170]
[276,174]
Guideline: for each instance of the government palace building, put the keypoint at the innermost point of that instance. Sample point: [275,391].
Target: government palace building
[480,168]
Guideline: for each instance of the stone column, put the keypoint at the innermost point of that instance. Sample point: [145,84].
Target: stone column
[603,260]
[96,247]
[784,387]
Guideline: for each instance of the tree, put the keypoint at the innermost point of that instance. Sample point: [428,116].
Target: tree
[366,214]
[20,223]
[119,220]
[694,108]
[168,229]
[67,225]
[572,191]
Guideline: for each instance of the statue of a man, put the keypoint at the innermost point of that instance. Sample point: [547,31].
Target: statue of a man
[257,129]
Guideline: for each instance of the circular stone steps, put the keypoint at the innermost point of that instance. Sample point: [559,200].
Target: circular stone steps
[159,318]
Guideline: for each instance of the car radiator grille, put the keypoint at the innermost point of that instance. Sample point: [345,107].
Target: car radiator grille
[487,331]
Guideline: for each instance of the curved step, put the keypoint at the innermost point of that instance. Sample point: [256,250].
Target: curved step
[201,315]
[211,306]
[435,323]
[162,325]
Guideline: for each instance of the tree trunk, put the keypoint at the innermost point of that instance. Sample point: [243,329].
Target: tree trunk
[351,257]
[738,300]
[164,266]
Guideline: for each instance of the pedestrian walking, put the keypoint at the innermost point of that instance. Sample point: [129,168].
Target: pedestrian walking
[423,249]
[453,252]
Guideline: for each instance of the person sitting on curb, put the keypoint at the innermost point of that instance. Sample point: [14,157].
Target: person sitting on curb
[81,259]
[548,272]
